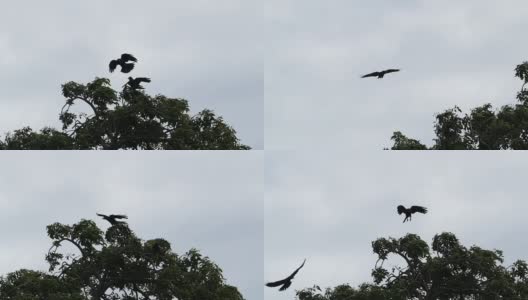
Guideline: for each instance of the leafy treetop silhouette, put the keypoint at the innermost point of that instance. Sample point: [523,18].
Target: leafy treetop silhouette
[116,265]
[130,119]
[448,270]
[482,129]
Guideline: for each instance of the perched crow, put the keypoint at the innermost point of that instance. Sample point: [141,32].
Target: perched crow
[112,218]
[285,282]
[123,62]
[380,74]
[408,212]
[135,83]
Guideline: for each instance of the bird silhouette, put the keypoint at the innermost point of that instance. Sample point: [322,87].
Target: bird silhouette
[408,212]
[123,62]
[380,74]
[286,282]
[113,218]
[135,83]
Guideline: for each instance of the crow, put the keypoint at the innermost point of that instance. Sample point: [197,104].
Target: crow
[112,218]
[135,83]
[380,74]
[285,282]
[123,62]
[408,212]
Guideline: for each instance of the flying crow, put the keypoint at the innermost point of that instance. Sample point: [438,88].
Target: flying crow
[380,74]
[285,282]
[113,218]
[123,62]
[408,212]
[135,83]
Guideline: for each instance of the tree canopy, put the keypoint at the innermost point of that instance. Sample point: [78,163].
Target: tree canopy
[484,128]
[116,265]
[445,271]
[130,119]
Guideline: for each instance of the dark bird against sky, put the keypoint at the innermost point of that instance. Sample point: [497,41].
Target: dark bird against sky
[135,83]
[408,212]
[380,74]
[113,218]
[123,62]
[285,283]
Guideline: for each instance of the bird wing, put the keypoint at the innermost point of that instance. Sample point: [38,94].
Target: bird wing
[113,65]
[127,57]
[391,71]
[101,215]
[285,286]
[401,209]
[286,282]
[118,216]
[419,209]
[295,272]
[375,74]
[276,283]
[143,79]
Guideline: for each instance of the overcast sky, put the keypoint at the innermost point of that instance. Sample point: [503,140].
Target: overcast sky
[208,52]
[450,53]
[328,208]
[212,202]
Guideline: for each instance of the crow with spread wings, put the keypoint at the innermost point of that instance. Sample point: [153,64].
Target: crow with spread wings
[380,74]
[409,211]
[123,61]
[135,83]
[113,218]
[286,282]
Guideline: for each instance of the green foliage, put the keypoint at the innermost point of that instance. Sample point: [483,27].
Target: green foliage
[130,119]
[401,142]
[46,139]
[445,271]
[33,285]
[116,265]
[484,128]
[346,292]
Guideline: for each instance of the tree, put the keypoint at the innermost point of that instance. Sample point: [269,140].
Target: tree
[482,129]
[116,265]
[401,142]
[47,139]
[346,292]
[449,271]
[130,119]
[34,285]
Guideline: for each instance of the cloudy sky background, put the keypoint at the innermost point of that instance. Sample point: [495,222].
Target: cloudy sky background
[212,202]
[328,208]
[450,52]
[208,52]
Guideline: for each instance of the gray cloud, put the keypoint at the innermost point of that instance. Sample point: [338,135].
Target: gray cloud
[330,207]
[450,53]
[209,53]
[212,202]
